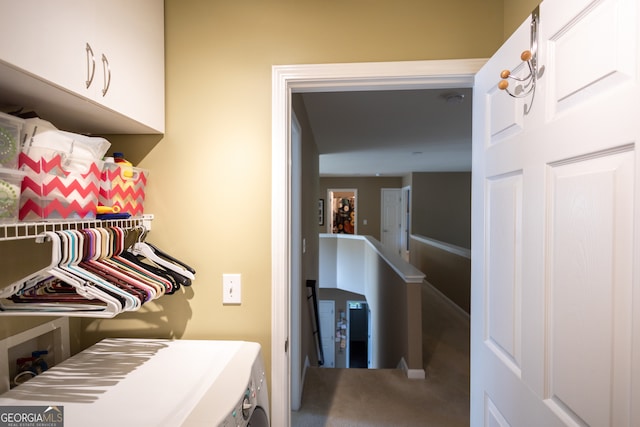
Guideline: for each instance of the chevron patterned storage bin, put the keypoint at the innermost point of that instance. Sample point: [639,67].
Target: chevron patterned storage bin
[51,192]
[123,186]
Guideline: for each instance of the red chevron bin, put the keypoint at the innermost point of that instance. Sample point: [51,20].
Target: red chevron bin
[123,186]
[50,191]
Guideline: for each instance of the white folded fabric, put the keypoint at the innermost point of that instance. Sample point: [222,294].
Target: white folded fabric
[78,151]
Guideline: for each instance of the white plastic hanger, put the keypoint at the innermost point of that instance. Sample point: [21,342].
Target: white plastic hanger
[110,308]
[73,243]
[141,248]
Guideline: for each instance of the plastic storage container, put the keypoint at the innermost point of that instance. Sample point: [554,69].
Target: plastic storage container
[11,133]
[123,186]
[51,191]
[10,188]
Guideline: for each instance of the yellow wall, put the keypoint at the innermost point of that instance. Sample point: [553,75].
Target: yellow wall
[515,12]
[210,186]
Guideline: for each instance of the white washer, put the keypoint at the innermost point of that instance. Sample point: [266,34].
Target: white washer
[136,382]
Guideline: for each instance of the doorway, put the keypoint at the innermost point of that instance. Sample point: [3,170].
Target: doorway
[359,324]
[343,210]
[326,77]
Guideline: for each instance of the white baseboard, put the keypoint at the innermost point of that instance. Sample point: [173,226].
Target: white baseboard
[412,374]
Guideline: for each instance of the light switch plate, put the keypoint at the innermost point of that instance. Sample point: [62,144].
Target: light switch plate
[231,289]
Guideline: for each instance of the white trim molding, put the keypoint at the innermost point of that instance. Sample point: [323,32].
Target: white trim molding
[456,250]
[287,79]
[412,374]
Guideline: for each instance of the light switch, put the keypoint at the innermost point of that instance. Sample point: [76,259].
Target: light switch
[231,289]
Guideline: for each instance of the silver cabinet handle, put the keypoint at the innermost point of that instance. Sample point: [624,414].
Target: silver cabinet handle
[107,74]
[91,65]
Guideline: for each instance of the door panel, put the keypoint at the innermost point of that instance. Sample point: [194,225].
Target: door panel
[503,316]
[604,59]
[391,219]
[326,310]
[588,290]
[555,313]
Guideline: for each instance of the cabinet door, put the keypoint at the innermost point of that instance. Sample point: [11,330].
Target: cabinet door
[48,40]
[130,35]
[37,38]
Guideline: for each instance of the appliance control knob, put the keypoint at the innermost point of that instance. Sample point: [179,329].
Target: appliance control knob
[246,405]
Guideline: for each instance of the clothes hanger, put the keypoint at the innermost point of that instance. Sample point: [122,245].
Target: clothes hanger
[93,287]
[91,261]
[96,273]
[105,259]
[176,280]
[133,235]
[144,249]
[108,306]
[33,278]
[70,244]
[170,258]
[116,236]
[167,277]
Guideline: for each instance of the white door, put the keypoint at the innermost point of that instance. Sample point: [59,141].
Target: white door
[555,304]
[391,221]
[326,310]
[405,222]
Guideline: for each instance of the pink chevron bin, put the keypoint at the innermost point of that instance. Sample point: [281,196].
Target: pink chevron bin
[51,192]
[123,186]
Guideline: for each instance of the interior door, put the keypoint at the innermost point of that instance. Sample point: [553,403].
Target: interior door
[555,304]
[391,219]
[326,312]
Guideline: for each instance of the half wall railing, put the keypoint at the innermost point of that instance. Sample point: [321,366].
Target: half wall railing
[392,288]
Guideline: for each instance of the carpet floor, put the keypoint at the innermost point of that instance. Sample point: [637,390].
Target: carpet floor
[386,397]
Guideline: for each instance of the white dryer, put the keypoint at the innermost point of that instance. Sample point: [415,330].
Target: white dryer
[135,382]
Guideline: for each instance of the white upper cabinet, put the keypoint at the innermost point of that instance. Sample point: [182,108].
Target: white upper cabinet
[36,37]
[130,35]
[93,66]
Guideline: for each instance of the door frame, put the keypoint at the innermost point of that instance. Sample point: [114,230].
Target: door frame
[296,265]
[287,79]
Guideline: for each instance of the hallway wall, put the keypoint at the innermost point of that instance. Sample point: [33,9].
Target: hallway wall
[369,203]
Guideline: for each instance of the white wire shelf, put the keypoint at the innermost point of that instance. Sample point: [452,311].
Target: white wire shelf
[30,230]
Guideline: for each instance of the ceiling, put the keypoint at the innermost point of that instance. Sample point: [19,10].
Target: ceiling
[391,133]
